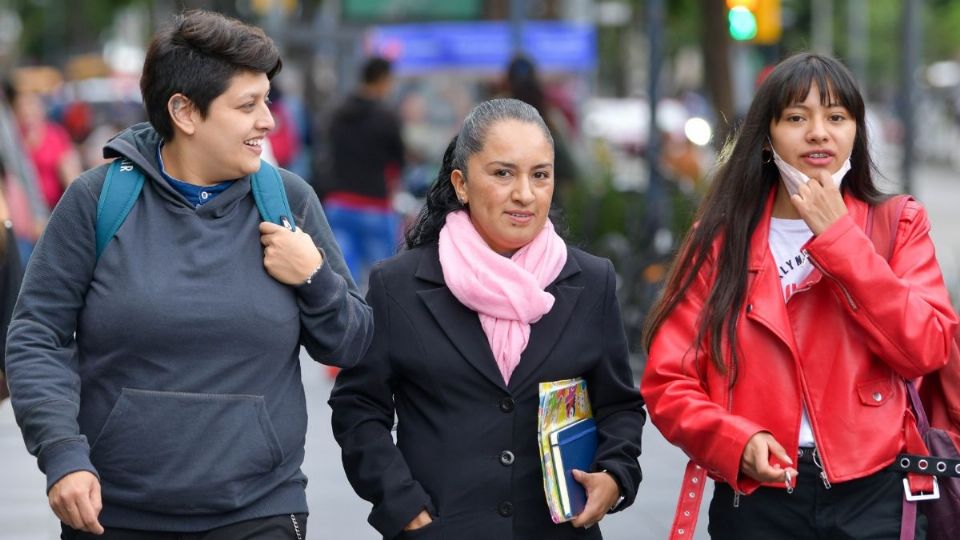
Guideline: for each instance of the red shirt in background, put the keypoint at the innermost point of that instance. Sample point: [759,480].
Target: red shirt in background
[46,158]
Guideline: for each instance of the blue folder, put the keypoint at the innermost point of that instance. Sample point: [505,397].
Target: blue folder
[573,447]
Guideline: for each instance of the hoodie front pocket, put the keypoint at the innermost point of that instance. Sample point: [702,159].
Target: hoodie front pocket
[185,453]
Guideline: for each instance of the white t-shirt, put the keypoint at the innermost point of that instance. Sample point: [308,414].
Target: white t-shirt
[787,237]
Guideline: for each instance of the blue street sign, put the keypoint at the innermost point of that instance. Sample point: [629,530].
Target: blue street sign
[483,46]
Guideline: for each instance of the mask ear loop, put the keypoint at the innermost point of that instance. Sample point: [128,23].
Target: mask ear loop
[766,152]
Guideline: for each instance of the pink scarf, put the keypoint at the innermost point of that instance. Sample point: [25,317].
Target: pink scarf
[507,293]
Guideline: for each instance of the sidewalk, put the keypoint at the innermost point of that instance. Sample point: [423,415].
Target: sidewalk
[336,511]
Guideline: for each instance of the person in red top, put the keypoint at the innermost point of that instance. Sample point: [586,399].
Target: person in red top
[47,143]
[778,350]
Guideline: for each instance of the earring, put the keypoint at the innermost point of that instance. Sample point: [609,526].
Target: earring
[766,155]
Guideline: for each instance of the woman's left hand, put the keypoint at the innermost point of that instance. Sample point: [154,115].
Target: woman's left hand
[602,494]
[819,202]
[290,257]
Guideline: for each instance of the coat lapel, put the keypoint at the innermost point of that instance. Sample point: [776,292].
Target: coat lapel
[458,322]
[462,325]
[545,333]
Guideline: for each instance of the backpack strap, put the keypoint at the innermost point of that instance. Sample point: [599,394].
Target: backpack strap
[271,197]
[124,183]
[119,193]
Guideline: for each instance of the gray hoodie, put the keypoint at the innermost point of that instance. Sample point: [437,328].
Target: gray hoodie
[170,367]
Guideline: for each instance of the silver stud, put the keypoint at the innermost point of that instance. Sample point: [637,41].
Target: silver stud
[877,396]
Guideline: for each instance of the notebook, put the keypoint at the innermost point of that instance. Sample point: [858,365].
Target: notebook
[573,447]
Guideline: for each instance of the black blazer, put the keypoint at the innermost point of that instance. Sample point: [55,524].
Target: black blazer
[466,444]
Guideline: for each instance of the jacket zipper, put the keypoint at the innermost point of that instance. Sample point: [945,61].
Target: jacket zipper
[736,492]
[818,461]
[296,526]
[846,293]
[817,458]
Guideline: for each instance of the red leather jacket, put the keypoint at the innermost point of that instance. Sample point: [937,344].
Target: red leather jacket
[841,345]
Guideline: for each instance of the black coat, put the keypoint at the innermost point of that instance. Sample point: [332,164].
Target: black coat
[431,363]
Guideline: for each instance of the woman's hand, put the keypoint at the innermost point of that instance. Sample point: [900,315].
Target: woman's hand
[602,494]
[290,257]
[819,202]
[75,499]
[755,461]
[422,520]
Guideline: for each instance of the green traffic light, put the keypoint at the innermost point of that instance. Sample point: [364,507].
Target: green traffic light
[743,24]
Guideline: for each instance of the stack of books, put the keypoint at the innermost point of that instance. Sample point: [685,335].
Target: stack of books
[568,440]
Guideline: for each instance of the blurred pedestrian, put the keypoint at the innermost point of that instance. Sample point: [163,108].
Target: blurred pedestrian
[47,143]
[523,83]
[158,381]
[368,155]
[487,302]
[778,351]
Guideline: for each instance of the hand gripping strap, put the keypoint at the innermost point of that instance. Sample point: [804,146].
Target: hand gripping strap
[270,196]
[119,193]
[688,505]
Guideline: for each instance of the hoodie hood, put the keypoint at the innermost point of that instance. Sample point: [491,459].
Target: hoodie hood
[139,143]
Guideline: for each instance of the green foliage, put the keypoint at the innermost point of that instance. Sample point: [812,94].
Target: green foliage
[52,29]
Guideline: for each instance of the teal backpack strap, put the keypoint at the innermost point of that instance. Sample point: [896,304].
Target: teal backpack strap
[271,197]
[118,195]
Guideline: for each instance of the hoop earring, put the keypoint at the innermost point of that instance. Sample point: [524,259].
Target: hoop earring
[766,156]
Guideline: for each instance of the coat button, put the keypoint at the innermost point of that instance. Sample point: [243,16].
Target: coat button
[505,509]
[507,405]
[507,458]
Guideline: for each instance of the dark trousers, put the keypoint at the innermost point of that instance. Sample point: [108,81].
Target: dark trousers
[868,508]
[286,527]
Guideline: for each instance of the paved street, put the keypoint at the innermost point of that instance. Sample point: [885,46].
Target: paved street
[338,514]
[335,511]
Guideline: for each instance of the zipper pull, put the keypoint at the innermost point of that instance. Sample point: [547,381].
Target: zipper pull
[823,472]
[736,499]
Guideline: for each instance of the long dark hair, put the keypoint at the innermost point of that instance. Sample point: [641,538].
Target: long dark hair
[740,189]
[442,198]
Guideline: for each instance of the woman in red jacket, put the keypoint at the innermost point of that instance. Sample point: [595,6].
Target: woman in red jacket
[777,352]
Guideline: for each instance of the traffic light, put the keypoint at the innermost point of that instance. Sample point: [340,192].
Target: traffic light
[755,20]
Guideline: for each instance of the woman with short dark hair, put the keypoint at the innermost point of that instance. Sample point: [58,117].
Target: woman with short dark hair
[156,376]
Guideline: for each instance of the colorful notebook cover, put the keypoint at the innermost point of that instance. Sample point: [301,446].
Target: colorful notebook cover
[562,403]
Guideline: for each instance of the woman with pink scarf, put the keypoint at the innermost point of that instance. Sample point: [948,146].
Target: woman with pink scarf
[486,302]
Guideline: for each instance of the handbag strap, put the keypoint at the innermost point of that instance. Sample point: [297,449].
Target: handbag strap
[923,423]
[882,229]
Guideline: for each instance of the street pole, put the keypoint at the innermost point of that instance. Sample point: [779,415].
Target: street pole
[857,40]
[909,63]
[822,26]
[655,189]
